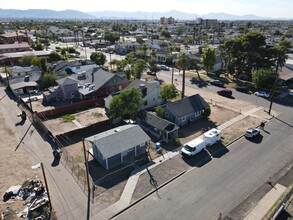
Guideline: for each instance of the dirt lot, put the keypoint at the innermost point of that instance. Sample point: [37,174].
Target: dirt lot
[15,169]
[83,118]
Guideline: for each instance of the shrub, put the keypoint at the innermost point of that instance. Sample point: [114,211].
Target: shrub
[207,112]
[177,142]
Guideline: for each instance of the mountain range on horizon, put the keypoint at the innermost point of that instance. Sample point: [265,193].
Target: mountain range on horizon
[140,15]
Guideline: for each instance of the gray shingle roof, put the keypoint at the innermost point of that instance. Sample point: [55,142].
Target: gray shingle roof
[157,122]
[101,77]
[117,140]
[187,106]
[150,85]
[66,81]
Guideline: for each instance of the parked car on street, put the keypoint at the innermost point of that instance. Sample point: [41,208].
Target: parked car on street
[217,83]
[242,89]
[252,132]
[151,73]
[262,94]
[164,67]
[225,92]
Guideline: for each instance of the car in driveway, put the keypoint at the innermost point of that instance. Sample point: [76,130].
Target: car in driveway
[252,132]
[242,89]
[225,92]
[262,94]
[218,83]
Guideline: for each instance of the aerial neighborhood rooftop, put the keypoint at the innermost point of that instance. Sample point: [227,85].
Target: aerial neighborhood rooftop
[146,113]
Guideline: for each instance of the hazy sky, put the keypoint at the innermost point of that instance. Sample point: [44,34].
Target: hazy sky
[264,8]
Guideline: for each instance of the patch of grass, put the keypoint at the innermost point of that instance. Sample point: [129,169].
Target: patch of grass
[97,114]
[68,118]
[79,159]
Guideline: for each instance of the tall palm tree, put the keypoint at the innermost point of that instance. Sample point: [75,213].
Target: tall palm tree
[183,62]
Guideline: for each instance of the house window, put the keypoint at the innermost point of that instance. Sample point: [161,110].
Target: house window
[166,114]
[145,102]
[184,119]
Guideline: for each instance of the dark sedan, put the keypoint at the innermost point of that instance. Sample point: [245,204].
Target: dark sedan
[242,89]
[217,83]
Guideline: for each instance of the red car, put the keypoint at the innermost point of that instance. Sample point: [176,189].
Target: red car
[225,92]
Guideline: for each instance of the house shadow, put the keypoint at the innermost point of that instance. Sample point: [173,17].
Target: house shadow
[108,178]
[284,215]
[201,126]
[217,150]
[198,160]
[257,139]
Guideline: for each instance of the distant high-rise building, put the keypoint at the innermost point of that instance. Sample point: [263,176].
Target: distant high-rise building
[169,20]
[207,22]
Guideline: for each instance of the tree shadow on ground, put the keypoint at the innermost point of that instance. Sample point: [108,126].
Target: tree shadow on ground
[201,125]
[257,139]
[217,150]
[198,160]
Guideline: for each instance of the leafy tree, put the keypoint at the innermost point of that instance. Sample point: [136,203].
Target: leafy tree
[264,78]
[144,48]
[209,59]
[126,104]
[54,56]
[168,92]
[169,60]
[160,111]
[165,34]
[139,40]
[36,61]
[183,62]
[139,66]
[49,79]
[111,37]
[153,67]
[207,112]
[43,64]
[194,64]
[26,60]
[98,58]
[120,64]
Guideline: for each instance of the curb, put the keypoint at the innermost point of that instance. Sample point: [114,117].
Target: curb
[148,194]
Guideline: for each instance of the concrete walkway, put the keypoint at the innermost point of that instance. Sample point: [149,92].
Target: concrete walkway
[266,203]
[130,186]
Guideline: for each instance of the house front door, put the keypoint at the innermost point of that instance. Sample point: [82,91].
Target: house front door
[128,156]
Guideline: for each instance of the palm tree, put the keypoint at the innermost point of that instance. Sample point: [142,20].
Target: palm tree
[183,62]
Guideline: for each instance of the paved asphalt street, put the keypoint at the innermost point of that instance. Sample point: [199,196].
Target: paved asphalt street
[223,183]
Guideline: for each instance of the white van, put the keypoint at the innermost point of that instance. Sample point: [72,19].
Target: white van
[193,147]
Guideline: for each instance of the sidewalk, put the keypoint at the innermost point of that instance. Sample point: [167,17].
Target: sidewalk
[130,186]
[266,203]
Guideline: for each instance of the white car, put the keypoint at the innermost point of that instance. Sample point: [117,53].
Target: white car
[262,94]
[252,132]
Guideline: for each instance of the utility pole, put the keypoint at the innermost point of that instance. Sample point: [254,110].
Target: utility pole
[172,75]
[7,76]
[87,178]
[47,188]
[272,92]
